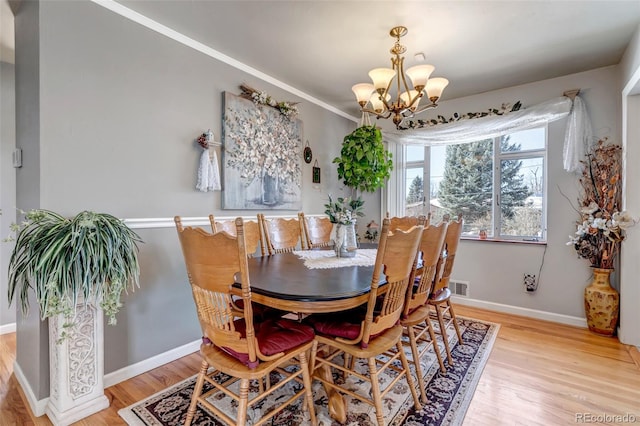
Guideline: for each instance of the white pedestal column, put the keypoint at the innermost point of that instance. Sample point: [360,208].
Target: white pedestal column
[76,367]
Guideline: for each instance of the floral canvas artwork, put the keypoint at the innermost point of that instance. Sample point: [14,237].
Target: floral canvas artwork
[261,156]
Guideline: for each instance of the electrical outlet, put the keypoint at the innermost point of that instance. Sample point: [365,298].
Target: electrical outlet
[530,282]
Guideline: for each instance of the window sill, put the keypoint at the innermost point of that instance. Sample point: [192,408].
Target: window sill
[497,240]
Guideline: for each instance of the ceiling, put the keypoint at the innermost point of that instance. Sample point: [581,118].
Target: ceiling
[323,47]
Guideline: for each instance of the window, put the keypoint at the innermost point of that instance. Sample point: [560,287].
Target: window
[497,184]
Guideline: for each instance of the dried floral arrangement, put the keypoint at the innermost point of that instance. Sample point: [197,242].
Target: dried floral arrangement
[602,224]
[504,109]
[288,109]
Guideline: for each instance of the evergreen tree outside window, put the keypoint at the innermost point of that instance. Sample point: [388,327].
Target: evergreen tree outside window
[416,191]
[415,202]
[497,184]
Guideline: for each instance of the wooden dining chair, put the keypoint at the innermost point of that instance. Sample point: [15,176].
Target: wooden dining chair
[373,334]
[252,233]
[440,297]
[317,231]
[232,343]
[415,315]
[252,237]
[406,222]
[281,235]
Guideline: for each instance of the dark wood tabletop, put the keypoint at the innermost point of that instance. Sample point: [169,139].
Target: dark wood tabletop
[284,282]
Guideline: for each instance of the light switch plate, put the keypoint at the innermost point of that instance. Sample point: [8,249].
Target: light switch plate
[17,158]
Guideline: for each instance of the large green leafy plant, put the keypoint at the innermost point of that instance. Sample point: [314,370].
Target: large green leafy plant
[364,163]
[91,257]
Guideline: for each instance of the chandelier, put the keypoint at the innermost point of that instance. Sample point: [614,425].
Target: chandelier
[407,101]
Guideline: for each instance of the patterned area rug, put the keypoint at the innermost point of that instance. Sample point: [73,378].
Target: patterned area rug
[449,394]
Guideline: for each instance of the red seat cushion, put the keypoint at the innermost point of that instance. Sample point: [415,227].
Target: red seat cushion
[274,336]
[280,335]
[341,324]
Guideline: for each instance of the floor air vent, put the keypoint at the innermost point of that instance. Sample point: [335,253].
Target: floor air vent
[459,288]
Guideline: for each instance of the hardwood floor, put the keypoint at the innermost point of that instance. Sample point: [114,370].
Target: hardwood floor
[539,373]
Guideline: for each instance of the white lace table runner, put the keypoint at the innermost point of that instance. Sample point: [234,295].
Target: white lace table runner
[324,259]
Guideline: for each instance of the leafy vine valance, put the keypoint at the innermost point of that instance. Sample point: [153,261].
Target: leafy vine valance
[504,109]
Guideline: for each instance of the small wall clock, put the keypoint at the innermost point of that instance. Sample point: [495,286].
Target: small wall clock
[308,155]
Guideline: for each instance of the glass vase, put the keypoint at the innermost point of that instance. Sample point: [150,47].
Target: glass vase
[270,190]
[346,242]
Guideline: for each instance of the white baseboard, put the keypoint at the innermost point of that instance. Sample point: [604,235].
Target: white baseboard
[37,406]
[8,328]
[525,312]
[150,363]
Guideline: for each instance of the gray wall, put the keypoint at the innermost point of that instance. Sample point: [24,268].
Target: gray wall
[32,343]
[121,107]
[7,181]
[113,111]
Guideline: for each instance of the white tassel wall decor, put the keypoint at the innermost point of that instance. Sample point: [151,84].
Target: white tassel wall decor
[208,170]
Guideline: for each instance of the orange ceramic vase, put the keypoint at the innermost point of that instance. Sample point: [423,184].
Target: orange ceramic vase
[601,303]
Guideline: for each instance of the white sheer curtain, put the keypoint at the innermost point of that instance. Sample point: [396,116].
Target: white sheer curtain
[471,130]
[578,137]
[393,193]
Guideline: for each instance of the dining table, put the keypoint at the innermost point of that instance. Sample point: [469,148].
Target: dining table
[285,282]
[292,282]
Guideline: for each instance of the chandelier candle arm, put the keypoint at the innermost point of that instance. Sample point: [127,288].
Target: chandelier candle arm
[406,102]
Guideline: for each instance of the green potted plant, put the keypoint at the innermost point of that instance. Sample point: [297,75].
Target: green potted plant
[75,266]
[91,257]
[364,163]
